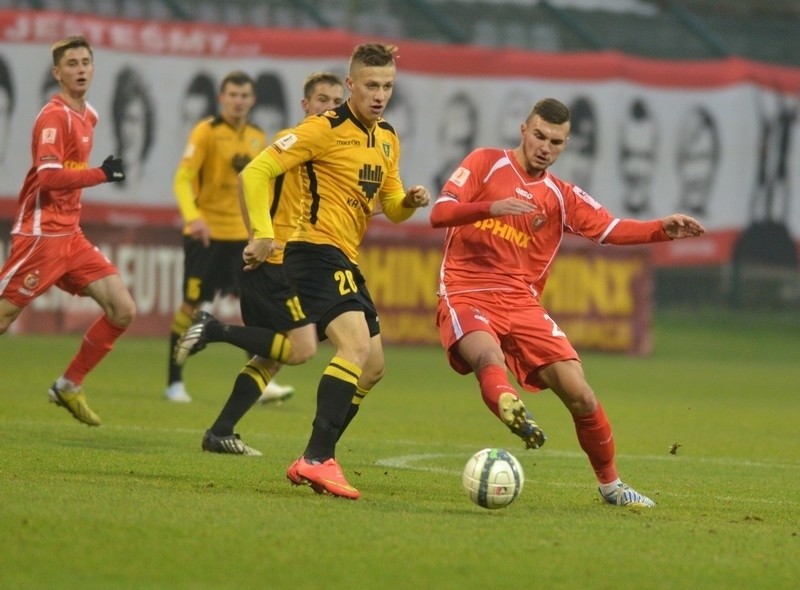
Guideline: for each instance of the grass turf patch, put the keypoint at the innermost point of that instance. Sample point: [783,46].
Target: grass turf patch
[136,504]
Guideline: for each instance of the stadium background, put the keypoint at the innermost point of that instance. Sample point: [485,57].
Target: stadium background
[739,60]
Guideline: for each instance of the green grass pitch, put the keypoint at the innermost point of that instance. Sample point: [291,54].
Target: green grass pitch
[136,504]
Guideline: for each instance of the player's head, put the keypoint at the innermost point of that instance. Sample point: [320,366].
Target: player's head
[60,48]
[236,97]
[371,80]
[322,91]
[73,65]
[551,111]
[544,135]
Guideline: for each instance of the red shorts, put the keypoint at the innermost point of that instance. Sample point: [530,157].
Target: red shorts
[529,338]
[36,263]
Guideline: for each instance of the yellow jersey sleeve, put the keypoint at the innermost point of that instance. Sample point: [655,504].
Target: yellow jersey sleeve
[184,193]
[392,206]
[257,178]
[185,185]
[392,192]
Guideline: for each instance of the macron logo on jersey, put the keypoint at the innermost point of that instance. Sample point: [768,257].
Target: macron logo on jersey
[460,176]
[48,135]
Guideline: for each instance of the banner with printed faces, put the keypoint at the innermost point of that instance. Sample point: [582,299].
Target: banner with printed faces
[719,140]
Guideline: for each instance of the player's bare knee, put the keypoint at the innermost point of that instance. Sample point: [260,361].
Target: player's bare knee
[487,358]
[298,357]
[370,378]
[123,315]
[8,314]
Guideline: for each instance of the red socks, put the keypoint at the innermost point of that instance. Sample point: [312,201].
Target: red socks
[597,441]
[593,430]
[494,381]
[97,343]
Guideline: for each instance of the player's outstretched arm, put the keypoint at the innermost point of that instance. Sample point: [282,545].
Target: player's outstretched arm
[678,226]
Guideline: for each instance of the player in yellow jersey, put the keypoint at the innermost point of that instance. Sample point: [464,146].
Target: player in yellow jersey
[206,188]
[268,302]
[350,160]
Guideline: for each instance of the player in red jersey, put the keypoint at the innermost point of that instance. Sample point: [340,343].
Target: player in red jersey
[47,244]
[506,216]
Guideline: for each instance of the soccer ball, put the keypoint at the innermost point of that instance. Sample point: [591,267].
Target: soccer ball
[493,478]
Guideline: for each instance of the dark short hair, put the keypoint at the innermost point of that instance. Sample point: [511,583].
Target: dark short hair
[61,47]
[551,110]
[319,78]
[373,54]
[237,78]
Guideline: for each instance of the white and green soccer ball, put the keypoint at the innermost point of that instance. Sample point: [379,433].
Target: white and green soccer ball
[493,478]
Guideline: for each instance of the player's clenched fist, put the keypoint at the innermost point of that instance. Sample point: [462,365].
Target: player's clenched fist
[113,169]
[417,196]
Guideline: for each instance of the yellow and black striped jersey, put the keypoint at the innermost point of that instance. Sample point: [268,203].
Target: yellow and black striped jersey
[345,168]
[287,195]
[212,160]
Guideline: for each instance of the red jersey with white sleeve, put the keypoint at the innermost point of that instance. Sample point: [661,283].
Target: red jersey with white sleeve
[49,202]
[516,252]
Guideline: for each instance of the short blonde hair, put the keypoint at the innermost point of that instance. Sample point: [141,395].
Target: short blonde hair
[60,47]
[373,54]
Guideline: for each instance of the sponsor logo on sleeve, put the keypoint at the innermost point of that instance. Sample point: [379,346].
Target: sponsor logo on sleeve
[48,135]
[585,197]
[285,142]
[460,176]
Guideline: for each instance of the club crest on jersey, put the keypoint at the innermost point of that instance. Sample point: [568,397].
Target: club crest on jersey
[31,280]
[49,135]
[460,176]
[285,142]
[387,148]
[538,221]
